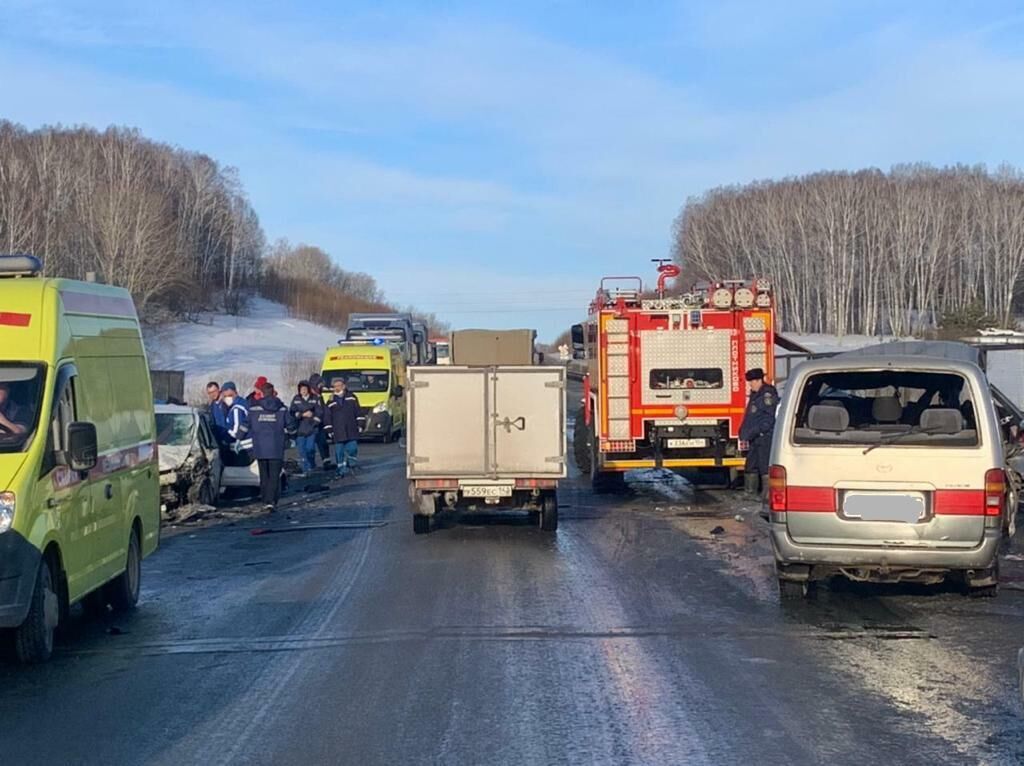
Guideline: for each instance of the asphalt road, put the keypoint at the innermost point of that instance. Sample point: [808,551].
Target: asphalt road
[647,630]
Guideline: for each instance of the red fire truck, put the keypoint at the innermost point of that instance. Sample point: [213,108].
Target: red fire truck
[665,385]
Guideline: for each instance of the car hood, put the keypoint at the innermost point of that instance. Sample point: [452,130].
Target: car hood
[10,465]
[172,456]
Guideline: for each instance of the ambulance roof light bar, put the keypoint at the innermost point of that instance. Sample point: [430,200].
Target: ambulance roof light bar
[365,342]
[20,265]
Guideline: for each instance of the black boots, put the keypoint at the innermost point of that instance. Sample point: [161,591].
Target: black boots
[751,482]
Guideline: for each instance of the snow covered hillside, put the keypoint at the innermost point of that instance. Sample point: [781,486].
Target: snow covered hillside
[267,341]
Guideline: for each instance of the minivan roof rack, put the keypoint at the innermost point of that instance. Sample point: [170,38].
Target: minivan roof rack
[20,265]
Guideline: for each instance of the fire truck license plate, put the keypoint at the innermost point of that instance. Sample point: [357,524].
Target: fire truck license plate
[685,443]
[504,490]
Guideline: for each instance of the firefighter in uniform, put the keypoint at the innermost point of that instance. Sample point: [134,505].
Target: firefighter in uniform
[756,429]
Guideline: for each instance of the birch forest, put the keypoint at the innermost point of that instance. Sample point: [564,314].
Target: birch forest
[172,226]
[867,252]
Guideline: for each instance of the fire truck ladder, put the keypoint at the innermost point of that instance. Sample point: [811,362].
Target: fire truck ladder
[617,373]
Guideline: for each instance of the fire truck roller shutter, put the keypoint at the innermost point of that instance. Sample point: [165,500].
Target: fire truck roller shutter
[703,350]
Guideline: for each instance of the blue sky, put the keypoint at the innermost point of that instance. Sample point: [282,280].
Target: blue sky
[492,161]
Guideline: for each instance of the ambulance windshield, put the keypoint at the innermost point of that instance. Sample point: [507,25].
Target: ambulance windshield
[21,387]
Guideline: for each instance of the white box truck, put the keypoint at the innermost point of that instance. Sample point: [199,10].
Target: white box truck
[482,438]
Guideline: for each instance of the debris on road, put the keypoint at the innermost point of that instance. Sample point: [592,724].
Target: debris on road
[307,527]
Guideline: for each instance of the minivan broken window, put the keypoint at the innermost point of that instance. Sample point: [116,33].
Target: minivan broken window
[874,407]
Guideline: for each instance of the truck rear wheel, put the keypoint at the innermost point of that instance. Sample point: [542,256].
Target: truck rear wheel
[549,513]
[420,524]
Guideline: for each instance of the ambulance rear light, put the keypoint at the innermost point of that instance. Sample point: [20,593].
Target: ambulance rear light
[763,300]
[762,285]
[18,265]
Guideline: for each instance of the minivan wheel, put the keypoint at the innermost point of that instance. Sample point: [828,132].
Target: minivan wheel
[792,591]
[33,639]
[123,592]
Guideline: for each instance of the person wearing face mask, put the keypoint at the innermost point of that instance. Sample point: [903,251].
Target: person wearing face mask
[238,439]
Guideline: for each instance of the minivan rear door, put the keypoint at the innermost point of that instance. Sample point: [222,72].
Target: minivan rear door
[887,497]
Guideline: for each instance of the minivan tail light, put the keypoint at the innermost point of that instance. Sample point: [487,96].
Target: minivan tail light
[777,488]
[995,491]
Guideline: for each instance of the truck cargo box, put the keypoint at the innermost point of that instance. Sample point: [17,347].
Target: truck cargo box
[487,423]
[487,348]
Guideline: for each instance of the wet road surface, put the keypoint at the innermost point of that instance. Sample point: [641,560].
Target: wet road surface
[647,630]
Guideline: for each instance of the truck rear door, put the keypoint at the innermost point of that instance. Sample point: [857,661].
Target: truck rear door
[528,421]
[447,422]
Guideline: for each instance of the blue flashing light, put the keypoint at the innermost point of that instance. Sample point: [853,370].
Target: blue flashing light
[378,341]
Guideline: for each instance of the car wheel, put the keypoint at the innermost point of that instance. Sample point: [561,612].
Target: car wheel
[123,591]
[420,524]
[33,639]
[202,493]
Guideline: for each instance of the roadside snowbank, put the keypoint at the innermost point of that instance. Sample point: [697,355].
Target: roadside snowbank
[267,341]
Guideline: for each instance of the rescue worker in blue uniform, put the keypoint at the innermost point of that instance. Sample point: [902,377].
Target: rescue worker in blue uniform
[756,429]
[237,441]
[270,422]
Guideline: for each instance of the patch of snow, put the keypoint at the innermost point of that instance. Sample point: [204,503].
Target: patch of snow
[267,341]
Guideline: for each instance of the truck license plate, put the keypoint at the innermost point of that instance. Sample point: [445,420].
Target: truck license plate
[503,490]
[685,443]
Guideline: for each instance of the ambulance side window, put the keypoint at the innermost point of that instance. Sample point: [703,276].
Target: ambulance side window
[63,416]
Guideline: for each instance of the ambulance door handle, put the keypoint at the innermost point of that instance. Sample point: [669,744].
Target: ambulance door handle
[108,491]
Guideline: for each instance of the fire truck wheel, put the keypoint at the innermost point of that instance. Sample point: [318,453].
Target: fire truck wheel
[581,444]
[607,482]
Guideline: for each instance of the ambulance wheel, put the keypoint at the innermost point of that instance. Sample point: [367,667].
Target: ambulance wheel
[420,524]
[549,513]
[33,639]
[123,592]
[581,445]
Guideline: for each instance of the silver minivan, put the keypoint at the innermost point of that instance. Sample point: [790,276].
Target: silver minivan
[890,466]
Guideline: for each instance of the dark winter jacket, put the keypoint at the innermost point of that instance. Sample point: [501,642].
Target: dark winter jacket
[268,422]
[759,419]
[342,420]
[307,426]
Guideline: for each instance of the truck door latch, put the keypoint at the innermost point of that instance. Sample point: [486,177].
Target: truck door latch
[519,424]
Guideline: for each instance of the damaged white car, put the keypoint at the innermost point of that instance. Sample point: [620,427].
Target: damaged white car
[190,460]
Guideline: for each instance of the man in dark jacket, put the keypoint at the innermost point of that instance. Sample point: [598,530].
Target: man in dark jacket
[343,426]
[269,421]
[316,384]
[307,413]
[217,411]
[756,429]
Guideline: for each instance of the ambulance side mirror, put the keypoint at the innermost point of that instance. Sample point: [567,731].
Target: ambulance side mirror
[82,447]
[398,392]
